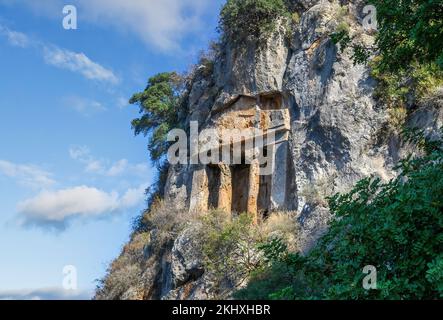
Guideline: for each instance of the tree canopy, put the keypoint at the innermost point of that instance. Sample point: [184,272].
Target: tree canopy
[161,109]
[409,31]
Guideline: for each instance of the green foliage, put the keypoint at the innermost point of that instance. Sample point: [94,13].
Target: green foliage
[404,90]
[342,37]
[435,273]
[272,276]
[229,248]
[396,227]
[409,31]
[274,250]
[263,282]
[242,19]
[161,107]
[395,88]
[409,48]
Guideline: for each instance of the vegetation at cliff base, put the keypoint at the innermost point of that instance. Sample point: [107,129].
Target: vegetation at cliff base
[230,243]
[396,227]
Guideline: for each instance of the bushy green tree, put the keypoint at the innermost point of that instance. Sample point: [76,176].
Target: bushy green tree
[409,31]
[161,109]
[396,227]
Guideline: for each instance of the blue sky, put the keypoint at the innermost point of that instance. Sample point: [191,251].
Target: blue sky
[72,174]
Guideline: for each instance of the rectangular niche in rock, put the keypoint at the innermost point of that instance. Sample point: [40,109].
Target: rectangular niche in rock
[213,172]
[264,195]
[240,188]
[271,101]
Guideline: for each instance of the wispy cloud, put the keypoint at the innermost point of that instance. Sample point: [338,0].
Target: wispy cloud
[84,106]
[79,63]
[15,38]
[106,167]
[122,102]
[62,58]
[45,294]
[26,175]
[56,209]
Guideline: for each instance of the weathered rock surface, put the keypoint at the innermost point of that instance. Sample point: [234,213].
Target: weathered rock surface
[335,135]
[332,118]
[186,263]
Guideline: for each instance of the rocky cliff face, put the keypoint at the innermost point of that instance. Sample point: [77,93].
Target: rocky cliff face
[333,133]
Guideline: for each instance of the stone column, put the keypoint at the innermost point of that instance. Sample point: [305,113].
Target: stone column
[279,176]
[199,191]
[254,183]
[225,193]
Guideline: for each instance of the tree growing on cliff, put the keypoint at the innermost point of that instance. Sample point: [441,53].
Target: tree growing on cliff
[161,108]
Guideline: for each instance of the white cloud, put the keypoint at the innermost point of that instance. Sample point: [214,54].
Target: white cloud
[27,175]
[133,197]
[15,38]
[83,106]
[45,294]
[105,167]
[159,23]
[79,63]
[79,152]
[57,208]
[118,168]
[53,55]
[162,24]
[94,166]
[122,103]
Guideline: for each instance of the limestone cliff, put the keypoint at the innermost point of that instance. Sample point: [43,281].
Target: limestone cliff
[331,133]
